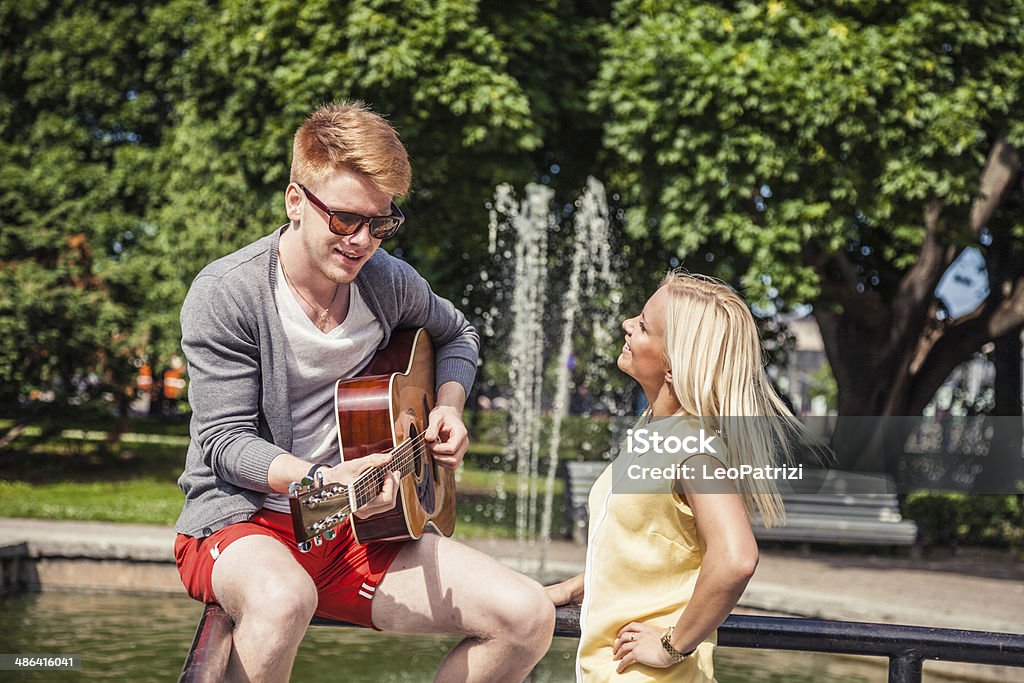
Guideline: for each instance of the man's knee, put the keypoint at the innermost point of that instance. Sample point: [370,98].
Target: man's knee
[259,581]
[288,601]
[526,615]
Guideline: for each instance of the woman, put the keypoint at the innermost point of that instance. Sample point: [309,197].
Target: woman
[665,569]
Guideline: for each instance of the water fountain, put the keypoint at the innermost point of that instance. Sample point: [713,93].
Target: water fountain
[530,222]
[519,237]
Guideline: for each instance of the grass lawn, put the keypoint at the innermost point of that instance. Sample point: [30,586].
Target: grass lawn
[73,472]
[141,500]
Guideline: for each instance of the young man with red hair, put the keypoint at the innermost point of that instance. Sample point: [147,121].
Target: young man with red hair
[267,331]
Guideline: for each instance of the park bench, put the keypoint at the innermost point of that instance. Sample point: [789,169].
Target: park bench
[843,508]
[828,507]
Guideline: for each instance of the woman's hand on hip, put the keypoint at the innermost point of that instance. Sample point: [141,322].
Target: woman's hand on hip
[640,643]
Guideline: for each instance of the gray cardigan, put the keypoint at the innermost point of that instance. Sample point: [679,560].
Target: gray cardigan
[238,382]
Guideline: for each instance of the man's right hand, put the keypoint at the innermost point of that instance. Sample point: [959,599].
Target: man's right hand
[348,471]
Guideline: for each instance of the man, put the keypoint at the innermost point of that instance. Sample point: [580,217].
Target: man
[267,331]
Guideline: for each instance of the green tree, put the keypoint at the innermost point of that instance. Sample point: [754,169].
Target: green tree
[850,151]
[473,87]
[142,142]
[79,118]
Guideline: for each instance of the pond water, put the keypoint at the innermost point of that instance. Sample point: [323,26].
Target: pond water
[146,638]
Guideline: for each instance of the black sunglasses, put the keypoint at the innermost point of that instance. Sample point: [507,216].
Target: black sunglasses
[348,223]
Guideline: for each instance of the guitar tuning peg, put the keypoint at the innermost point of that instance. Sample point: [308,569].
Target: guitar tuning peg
[305,546]
[330,534]
[294,487]
[318,540]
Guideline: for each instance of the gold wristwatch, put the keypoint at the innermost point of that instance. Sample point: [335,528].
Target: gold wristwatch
[666,642]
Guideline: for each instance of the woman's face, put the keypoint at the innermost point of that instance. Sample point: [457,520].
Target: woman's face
[643,354]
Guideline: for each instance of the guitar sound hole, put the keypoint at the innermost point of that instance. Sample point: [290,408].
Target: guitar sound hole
[426,416]
[424,480]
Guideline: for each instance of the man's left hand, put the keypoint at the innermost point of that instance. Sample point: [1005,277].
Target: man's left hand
[447,436]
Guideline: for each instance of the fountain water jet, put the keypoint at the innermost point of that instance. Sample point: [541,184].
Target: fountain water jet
[530,222]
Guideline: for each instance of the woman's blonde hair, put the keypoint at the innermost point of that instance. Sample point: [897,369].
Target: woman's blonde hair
[714,352]
[348,134]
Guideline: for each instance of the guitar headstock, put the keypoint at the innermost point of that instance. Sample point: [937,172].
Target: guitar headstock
[317,509]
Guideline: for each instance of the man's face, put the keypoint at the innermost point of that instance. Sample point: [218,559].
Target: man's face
[339,258]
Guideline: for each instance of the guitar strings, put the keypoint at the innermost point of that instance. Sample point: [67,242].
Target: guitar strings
[372,481]
[407,453]
[369,485]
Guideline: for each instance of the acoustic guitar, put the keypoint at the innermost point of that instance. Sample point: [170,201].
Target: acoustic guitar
[384,409]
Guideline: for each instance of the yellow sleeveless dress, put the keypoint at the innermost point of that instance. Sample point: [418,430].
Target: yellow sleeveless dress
[643,558]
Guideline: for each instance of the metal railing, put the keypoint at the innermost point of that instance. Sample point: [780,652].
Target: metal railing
[906,647]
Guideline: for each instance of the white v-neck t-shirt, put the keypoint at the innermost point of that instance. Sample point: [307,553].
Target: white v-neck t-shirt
[316,360]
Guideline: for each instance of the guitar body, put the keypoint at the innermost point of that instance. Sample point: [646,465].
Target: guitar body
[383,408]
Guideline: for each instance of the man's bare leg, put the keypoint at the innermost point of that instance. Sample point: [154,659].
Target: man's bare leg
[271,599]
[437,585]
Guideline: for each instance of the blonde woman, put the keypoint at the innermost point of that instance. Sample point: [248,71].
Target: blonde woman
[664,570]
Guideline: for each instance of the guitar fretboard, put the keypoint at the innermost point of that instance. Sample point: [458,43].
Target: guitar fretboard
[370,483]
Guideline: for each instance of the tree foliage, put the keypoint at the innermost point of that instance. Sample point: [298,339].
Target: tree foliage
[78,125]
[142,141]
[840,154]
[846,151]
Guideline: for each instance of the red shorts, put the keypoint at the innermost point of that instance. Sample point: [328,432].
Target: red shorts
[345,573]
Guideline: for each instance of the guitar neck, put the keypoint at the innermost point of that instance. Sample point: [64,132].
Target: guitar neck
[370,483]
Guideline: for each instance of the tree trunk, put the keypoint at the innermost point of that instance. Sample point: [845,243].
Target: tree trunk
[1007,359]
[1002,465]
[864,361]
